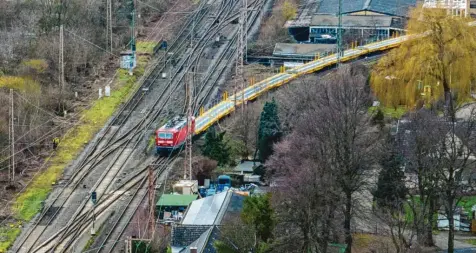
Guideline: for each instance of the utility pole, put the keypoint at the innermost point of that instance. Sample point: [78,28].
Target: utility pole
[245,28]
[188,142]
[109,25]
[193,30]
[339,35]
[239,70]
[61,59]
[151,201]
[12,139]
[133,40]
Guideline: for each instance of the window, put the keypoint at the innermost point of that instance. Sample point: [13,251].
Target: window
[165,135]
[382,32]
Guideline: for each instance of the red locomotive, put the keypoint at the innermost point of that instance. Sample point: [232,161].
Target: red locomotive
[172,135]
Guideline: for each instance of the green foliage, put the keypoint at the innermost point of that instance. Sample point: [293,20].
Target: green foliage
[421,70]
[391,190]
[378,118]
[20,83]
[467,202]
[289,10]
[257,212]
[222,247]
[215,147]
[8,235]
[269,130]
[237,147]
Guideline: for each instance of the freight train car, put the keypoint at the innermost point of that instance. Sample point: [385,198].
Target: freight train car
[172,135]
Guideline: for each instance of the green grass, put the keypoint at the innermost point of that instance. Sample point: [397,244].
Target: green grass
[7,236]
[470,241]
[30,202]
[362,240]
[151,143]
[91,240]
[146,47]
[389,111]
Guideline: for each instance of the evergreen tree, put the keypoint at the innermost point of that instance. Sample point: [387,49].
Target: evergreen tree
[391,190]
[269,130]
[215,147]
[257,211]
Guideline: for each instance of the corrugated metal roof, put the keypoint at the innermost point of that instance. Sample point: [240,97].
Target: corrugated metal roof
[205,211]
[176,200]
[389,7]
[352,21]
[332,6]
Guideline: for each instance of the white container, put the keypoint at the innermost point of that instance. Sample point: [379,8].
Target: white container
[164,75]
[100,92]
[107,91]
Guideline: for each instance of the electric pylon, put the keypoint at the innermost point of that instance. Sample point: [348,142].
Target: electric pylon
[187,169]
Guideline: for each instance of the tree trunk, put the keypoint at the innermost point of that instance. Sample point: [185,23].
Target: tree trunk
[451,232]
[347,217]
[429,227]
[326,230]
[450,113]
[451,221]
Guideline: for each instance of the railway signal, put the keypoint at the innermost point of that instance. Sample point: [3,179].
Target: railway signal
[94,197]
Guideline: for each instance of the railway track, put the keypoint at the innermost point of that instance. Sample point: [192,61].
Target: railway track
[209,82]
[125,141]
[112,143]
[118,144]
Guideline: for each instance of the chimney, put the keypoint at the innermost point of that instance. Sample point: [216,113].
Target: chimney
[193,250]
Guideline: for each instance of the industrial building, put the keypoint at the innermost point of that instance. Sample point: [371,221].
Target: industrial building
[362,20]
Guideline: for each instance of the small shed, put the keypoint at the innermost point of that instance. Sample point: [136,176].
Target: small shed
[174,202]
[247,167]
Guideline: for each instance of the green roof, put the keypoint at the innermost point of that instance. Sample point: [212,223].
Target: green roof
[176,200]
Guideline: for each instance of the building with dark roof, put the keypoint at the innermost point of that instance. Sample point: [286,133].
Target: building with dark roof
[363,20]
[323,27]
[395,8]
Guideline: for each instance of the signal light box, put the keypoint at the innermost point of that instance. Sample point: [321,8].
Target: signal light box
[128,60]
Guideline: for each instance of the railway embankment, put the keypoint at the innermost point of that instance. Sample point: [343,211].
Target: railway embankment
[29,201]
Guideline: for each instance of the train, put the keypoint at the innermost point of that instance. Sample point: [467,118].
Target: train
[172,136]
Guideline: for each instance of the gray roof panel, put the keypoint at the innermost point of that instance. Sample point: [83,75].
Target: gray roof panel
[389,7]
[205,211]
[351,21]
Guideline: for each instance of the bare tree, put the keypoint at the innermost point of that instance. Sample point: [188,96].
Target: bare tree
[337,144]
[305,196]
[344,131]
[417,142]
[245,130]
[452,160]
